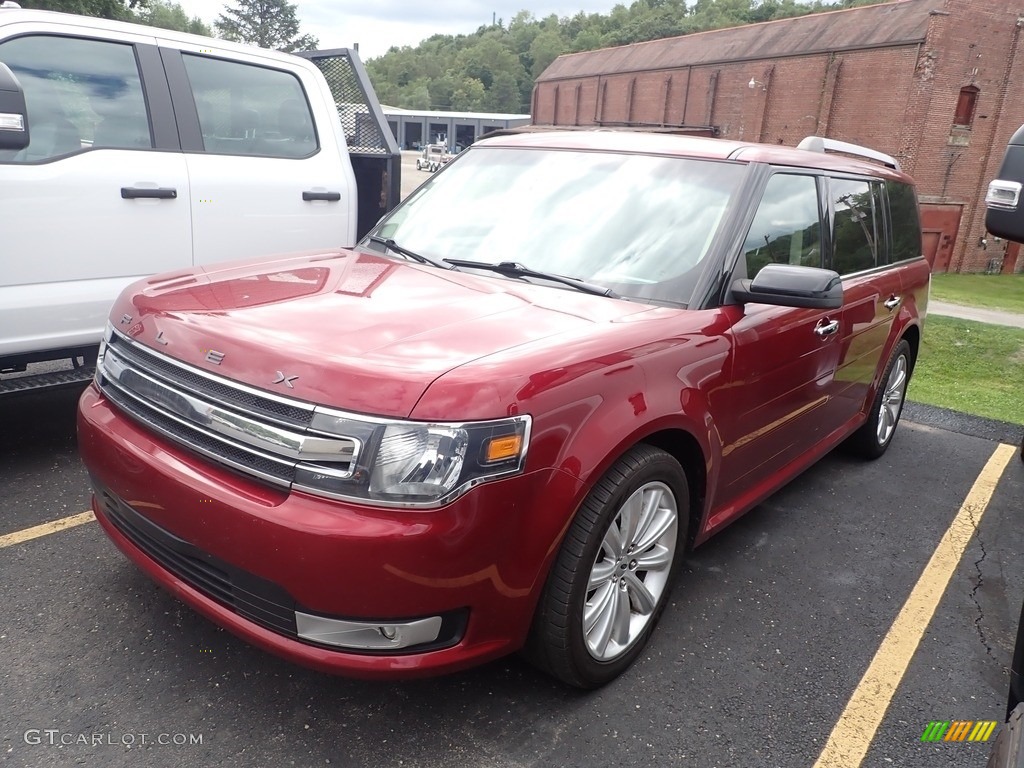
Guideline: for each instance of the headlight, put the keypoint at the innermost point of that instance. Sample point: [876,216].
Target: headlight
[408,463]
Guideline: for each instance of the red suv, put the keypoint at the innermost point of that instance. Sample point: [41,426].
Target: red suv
[500,421]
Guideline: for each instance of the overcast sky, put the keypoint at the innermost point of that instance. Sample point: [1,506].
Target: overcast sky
[378,24]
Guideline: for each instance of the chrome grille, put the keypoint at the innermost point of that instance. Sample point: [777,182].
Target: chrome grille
[260,435]
[247,400]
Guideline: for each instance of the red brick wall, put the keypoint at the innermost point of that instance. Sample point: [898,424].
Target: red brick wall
[900,100]
[976,44]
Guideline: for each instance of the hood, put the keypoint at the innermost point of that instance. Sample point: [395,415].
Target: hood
[350,330]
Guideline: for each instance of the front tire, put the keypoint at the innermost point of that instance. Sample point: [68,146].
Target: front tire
[873,438]
[611,579]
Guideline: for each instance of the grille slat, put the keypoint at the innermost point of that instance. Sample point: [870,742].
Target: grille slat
[265,437]
[245,401]
[242,459]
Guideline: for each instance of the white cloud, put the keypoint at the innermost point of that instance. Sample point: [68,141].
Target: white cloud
[379,24]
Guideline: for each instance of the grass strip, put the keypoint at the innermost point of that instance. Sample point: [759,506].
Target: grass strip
[971,367]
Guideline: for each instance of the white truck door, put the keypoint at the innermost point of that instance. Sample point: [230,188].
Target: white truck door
[269,176]
[89,205]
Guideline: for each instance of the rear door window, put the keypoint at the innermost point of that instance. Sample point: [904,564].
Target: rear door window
[249,110]
[858,241]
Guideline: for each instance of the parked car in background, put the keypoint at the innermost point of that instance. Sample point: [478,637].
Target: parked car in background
[127,150]
[499,431]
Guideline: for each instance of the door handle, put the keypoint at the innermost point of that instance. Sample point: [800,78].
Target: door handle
[330,197]
[826,328]
[892,302]
[160,193]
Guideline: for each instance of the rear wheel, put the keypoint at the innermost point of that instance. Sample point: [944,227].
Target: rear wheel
[611,579]
[873,438]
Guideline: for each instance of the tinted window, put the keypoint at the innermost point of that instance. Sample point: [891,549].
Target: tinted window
[856,242]
[250,110]
[787,226]
[906,221]
[80,94]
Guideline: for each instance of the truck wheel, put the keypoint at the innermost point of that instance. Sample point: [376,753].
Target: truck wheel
[611,579]
[873,438]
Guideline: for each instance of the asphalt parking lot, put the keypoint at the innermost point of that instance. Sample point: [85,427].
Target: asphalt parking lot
[770,630]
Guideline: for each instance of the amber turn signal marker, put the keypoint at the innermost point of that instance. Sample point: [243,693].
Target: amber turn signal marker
[501,448]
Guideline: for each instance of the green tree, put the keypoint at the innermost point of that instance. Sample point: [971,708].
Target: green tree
[468,95]
[266,23]
[170,15]
[104,9]
[546,47]
[504,95]
[445,70]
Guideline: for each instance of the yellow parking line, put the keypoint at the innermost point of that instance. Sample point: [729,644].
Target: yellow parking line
[849,741]
[45,529]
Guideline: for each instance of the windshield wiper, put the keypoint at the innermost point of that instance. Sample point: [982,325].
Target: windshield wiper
[513,269]
[391,245]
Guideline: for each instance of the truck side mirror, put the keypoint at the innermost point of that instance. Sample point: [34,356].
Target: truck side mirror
[13,113]
[1005,209]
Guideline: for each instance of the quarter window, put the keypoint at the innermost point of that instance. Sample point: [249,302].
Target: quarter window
[787,226]
[857,227]
[80,94]
[906,221]
[249,110]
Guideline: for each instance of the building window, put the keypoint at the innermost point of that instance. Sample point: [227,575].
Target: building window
[965,107]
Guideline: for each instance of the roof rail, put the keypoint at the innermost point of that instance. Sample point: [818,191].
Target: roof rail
[821,144]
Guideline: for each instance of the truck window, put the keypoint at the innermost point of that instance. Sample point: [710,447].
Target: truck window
[80,94]
[250,110]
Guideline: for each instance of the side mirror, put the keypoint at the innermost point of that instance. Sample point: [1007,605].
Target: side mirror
[786,285]
[1005,215]
[13,113]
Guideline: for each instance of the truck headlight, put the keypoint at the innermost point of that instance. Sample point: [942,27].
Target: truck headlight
[409,463]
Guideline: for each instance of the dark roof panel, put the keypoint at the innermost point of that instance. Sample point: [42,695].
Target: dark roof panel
[899,23]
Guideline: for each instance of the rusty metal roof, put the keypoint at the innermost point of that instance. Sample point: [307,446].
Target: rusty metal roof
[887,24]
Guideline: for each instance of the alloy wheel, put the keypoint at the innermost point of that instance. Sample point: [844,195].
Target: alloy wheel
[892,400]
[631,571]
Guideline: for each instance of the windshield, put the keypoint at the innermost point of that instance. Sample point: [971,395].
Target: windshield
[638,224]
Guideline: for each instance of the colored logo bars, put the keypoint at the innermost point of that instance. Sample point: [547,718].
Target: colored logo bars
[958,730]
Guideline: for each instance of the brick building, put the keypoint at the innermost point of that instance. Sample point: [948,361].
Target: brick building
[928,81]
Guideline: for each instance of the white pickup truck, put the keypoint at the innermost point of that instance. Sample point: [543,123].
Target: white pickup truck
[128,150]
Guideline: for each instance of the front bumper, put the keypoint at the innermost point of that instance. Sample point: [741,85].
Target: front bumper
[250,557]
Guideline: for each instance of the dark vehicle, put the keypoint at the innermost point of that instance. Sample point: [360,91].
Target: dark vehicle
[1005,218]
